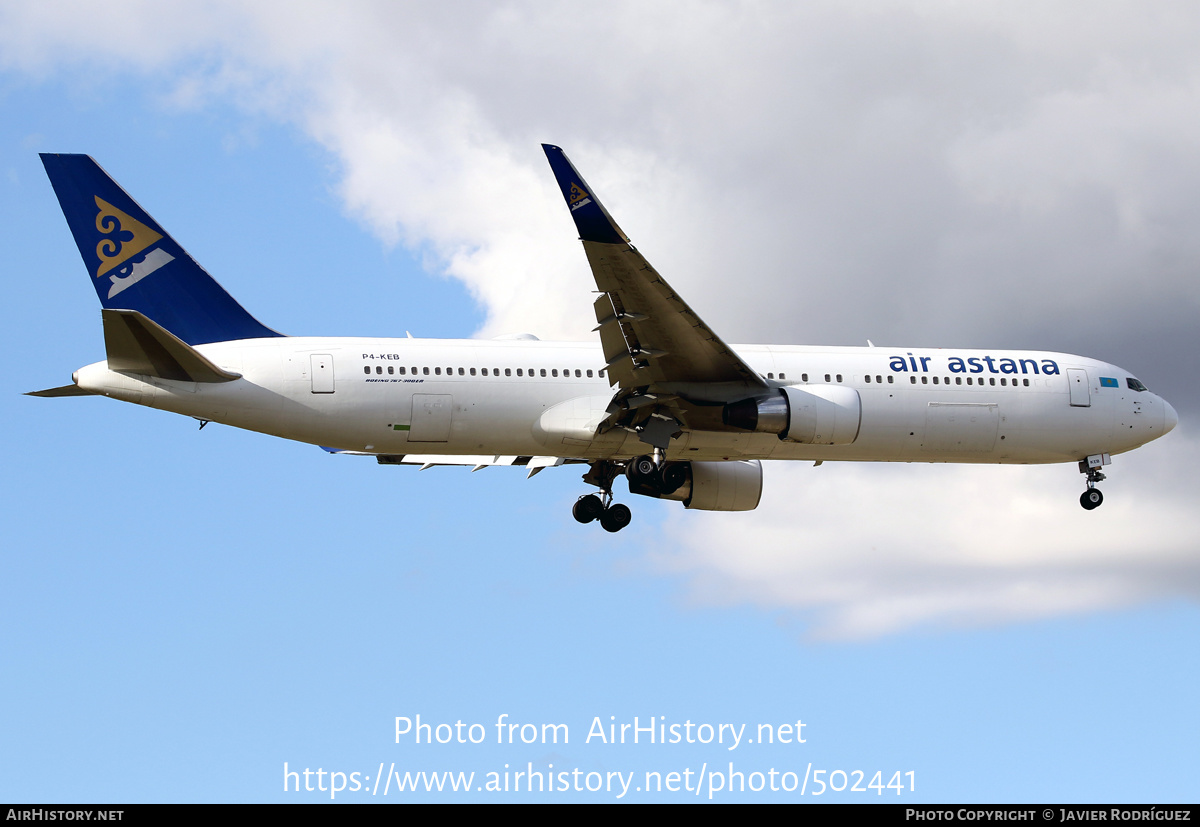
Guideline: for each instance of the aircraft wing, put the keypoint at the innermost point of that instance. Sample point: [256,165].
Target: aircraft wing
[475,462]
[652,340]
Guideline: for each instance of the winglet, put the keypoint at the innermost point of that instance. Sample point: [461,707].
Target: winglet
[591,219]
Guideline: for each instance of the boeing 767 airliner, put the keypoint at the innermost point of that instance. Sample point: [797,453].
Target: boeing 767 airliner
[661,399]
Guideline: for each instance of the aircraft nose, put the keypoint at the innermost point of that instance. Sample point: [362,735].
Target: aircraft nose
[1170,418]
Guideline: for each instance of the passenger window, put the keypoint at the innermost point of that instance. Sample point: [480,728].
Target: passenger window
[993,380]
[600,372]
[1026,382]
[391,370]
[912,379]
[867,378]
[483,371]
[554,372]
[770,376]
[378,369]
[437,371]
[367,369]
[924,380]
[460,371]
[508,371]
[804,377]
[958,380]
[578,374]
[827,377]
[935,380]
[589,373]
[472,371]
[519,373]
[403,370]
[783,376]
[543,371]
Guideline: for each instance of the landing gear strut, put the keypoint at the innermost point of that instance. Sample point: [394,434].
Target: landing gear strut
[612,516]
[1091,466]
[588,508]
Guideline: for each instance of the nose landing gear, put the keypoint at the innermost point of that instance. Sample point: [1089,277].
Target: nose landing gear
[1092,498]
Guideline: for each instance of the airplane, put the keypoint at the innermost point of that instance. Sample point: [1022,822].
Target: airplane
[661,399]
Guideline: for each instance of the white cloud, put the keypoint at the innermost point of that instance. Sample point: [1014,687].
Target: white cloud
[862,550]
[873,171]
[929,173]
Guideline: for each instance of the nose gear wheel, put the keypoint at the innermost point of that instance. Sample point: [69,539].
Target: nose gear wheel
[1092,498]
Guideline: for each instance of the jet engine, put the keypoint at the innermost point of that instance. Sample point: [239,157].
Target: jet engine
[707,486]
[813,414]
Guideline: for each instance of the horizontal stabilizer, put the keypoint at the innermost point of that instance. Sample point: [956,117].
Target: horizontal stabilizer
[65,390]
[135,344]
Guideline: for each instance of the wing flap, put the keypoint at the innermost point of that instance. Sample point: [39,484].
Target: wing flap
[617,360]
[474,461]
[430,460]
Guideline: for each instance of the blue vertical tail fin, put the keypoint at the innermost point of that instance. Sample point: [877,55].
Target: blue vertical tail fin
[135,265]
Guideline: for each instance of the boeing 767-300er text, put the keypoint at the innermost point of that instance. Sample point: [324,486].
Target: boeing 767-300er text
[662,399]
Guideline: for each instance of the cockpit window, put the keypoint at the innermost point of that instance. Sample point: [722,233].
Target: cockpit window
[1135,385]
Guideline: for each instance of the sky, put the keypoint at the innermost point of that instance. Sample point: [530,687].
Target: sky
[188,616]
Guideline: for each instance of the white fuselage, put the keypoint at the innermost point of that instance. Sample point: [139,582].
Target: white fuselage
[466,397]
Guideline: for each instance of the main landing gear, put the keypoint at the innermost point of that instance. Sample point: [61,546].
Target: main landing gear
[612,516]
[1092,498]
[649,475]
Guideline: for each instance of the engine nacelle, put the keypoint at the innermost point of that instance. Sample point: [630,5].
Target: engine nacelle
[710,486]
[725,486]
[812,414]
